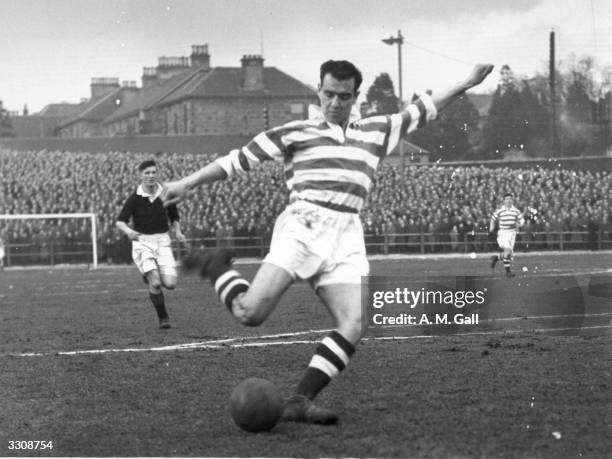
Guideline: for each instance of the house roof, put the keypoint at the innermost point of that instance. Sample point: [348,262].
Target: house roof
[63,109]
[227,82]
[151,95]
[223,82]
[96,109]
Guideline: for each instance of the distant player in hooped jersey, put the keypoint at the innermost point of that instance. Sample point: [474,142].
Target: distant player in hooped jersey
[330,161]
[151,245]
[508,219]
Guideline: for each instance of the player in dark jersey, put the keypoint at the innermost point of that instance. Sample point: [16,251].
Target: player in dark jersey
[149,233]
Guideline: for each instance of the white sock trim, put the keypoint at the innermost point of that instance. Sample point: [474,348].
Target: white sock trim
[230,286]
[223,278]
[321,363]
[333,346]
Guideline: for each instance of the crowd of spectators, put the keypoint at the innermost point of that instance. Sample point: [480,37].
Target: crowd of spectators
[448,204]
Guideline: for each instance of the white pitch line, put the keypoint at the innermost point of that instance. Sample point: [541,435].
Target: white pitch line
[211,346]
[229,344]
[484,333]
[214,344]
[224,341]
[564,316]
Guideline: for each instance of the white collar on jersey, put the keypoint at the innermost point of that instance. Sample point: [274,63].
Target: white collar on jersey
[315,114]
[152,197]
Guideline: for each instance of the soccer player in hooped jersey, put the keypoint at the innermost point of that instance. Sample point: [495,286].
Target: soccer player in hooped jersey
[330,161]
[151,244]
[508,219]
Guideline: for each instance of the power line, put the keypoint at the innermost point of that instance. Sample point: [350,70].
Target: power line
[437,53]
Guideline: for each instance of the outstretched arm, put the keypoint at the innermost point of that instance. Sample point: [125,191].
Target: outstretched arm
[176,191]
[426,109]
[265,146]
[477,76]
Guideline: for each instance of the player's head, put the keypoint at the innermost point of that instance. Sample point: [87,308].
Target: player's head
[508,199]
[338,90]
[148,172]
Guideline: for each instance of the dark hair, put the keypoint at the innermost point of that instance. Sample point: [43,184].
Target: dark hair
[508,195]
[148,163]
[341,70]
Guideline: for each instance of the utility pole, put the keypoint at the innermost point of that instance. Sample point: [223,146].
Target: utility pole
[399,41]
[554,140]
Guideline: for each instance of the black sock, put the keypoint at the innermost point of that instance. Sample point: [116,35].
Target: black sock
[159,304]
[313,381]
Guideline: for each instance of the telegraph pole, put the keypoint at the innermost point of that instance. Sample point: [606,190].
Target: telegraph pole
[554,143]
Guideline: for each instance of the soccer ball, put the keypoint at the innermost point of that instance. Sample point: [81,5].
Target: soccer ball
[256,405]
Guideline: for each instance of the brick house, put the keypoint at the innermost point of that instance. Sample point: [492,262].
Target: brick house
[106,96]
[44,123]
[183,96]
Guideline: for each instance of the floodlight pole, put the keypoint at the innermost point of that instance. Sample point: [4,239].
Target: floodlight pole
[399,41]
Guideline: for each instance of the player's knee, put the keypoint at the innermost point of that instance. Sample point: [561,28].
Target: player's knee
[155,285]
[170,284]
[249,316]
[251,320]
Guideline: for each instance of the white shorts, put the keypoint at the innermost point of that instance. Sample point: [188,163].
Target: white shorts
[320,245]
[506,238]
[154,251]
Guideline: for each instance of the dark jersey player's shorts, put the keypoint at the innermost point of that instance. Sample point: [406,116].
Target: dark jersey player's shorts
[153,251]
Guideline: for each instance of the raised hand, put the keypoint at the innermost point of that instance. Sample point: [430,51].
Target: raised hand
[478,74]
[173,192]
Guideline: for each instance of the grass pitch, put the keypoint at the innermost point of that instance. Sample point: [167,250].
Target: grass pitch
[84,366]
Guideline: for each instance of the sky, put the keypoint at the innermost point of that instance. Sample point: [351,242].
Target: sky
[51,49]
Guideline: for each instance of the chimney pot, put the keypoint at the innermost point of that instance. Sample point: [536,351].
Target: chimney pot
[168,67]
[200,57]
[103,85]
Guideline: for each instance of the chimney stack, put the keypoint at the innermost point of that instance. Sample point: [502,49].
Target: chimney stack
[102,86]
[253,72]
[129,91]
[200,56]
[149,76]
[168,67]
